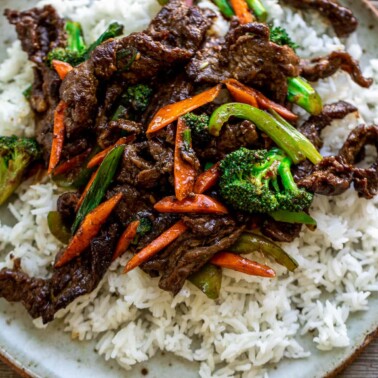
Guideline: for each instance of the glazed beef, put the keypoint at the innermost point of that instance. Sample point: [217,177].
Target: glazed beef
[207,236]
[365,179]
[43,298]
[247,55]
[341,18]
[39,30]
[281,231]
[332,176]
[323,67]
[315,124]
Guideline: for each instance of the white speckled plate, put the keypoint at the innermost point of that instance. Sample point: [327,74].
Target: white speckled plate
[51,353]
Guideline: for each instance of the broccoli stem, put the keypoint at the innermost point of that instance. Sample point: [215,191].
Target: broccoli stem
[224,7]
[258,9]
[309,149]
[288,139]
[286,176]
[300,92]
[75,40]
[113,30]
[249,242]
[293,217]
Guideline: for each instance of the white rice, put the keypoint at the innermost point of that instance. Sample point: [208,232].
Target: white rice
[256,321]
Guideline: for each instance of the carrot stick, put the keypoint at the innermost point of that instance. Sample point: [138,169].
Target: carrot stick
[156,246]
[184,173]
[244,94]
[241,93]
[172,112]
[71,163]
[207,179]
[241,264]
[126,238]
[199,203]
[58,136]
[86,189]
[62,68]
[98,158]
[242,11]
[88,230]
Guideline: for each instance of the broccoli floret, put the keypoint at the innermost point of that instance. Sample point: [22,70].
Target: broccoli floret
[199,125]
[16,154]
[145,226]
[260,181]
[279,36]
[75,50]
[138,97]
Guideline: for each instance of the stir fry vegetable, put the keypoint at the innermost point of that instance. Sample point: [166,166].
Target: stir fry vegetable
[295,144]
[241,264]
[166,238]
[258,9]
[58,136]
[126,238]
[184,173]
[16,155]
[280,36]
[198,203]
[260,181]
[224,7]
[100,184]
[113,30]
[250,96]
[208,279]
[172,112]
[62,68]
[300,92]
[207,179]
[242,12]
[88,230]
[249,242]
[57,227]
[293,217]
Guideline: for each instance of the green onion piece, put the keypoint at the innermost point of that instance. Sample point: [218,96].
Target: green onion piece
[258,9]
[249,242]
[224,7]
[293,217]
[113,30]
[288,139]
[100,184]
[207,166]
[57,227]
[208,279]
[300,92]
[309,149]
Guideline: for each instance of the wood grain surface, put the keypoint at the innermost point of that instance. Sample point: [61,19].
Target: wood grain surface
[366,365]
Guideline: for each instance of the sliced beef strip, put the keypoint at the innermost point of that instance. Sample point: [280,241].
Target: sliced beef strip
[315,124]
[341,18]
[178,25]
[44,99]
[323,67]
[44,297]
[332,176]
[39,30]
[365,179]
[188,256]
[247,55]
[66,206]
[281,231]
[232,137]
[136,170]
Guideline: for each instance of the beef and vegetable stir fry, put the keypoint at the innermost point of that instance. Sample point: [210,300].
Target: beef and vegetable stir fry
[177,145]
